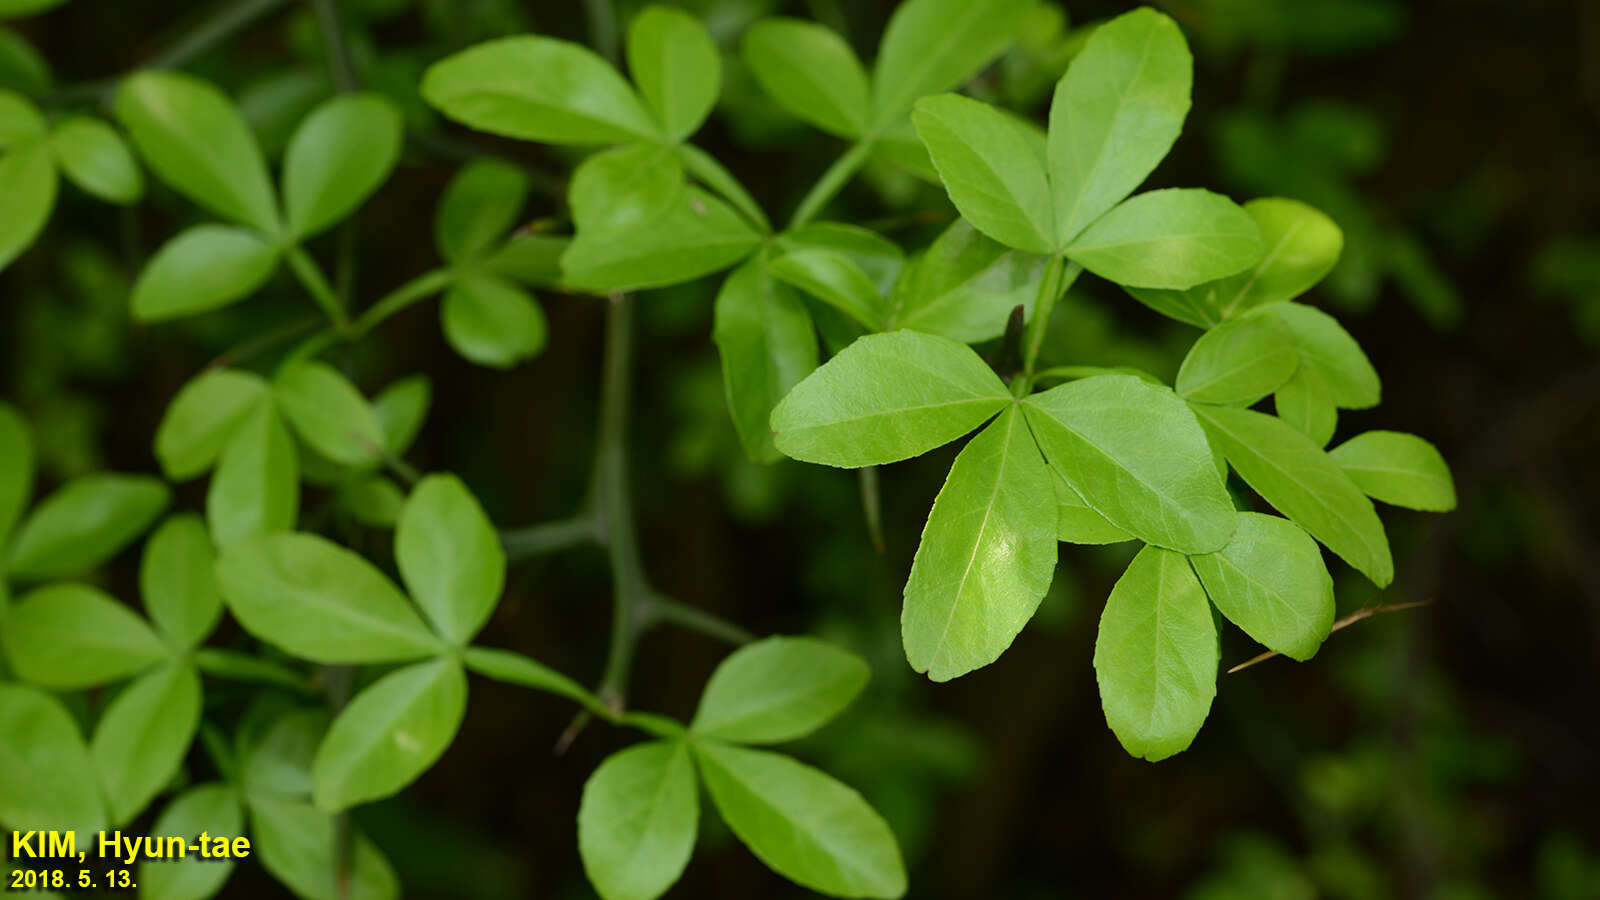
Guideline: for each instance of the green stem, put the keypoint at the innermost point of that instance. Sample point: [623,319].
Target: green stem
[666,609]
[831,182]
[340,67]
[1058,277]
[705,167]
[310,274]
[872,506]
[548,537]
[414,291]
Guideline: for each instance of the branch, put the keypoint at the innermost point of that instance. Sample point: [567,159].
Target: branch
[525,543]
[1364,612]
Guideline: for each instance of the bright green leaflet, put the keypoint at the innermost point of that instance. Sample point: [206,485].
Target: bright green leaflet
[1305,402]
[402,408]
[676,66]
[767,344]
[479,206]
[28,182]
[625,187]
[201,419]
[209,808]
[1270,581]
[193,138]
[295,842]
[879,258]
[1115,114]
[887,397]
[803,824]
[320,602]
[987,555]
[203,268]
[777,690]
[1239,362]
[177,579]
[337,158]
[20,120]
[811,72]
[835,279]
[95,157]
[965,286]
[1156,656]
[1399,469]
[492,322]
[1330,350]
[514,668]
[277,751]
[530,259]
[935,45]
[328,412]
[637,821]
[538,89]
[1173,238]
[140,742]
[1136,455]
[697,235]
[992,167]
[46,775]
[1076,523]
[256,488]
[390,734]
[1303,483]
[71,636]
[374,501]
[16,469]
[84,524]
[1302,246]
[449,556]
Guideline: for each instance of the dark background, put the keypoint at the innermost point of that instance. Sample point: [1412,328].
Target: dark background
[1448,751]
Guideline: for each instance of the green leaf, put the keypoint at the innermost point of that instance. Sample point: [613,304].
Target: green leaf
[879,258]
[16,469]
[637,821]
[538,89]
[256,488]
[1305,402]
[625,187]
[802,823]
[885,398]
[492,322]
[1303,483]
[1114,116]
[935,45]
[1328,349]
[321,602]
[193,138]
[374,501]
[514,668]
[992,167]
[178,581]
[328,412]
[835,279]
[1239,362]
[211,809]
[1302,246]
[1399,469]
[777,690]
[987,554]
[16,9]
[449,556]
[1195,306]
[46,776]
[767,343]
[20,120]
[70,636]
[1174,238]
[1156,656]
[21,65]
[143,736]
[1271,582]
[480,206]
[402,408]
[277,743]
[28,182]
[811,72]
[84,524]
[297,844]
[201,419]
[676,66]
[530,259]
[697,235]
[965,286]
[203,268]
[390,733]
[1136,455]
[337,157]
[93,155]
[1076,523]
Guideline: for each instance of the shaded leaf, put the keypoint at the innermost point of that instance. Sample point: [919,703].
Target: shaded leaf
[935,45]
[177,579]
[777,690]
[697,235]
[46,775]
[1239,362]
[767,343]
[492,322]
[966,285]
[256,488]
[28,182]
[328,412]
[85,523]
[143,736]
[71,636]
[211,809]
[811,72]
